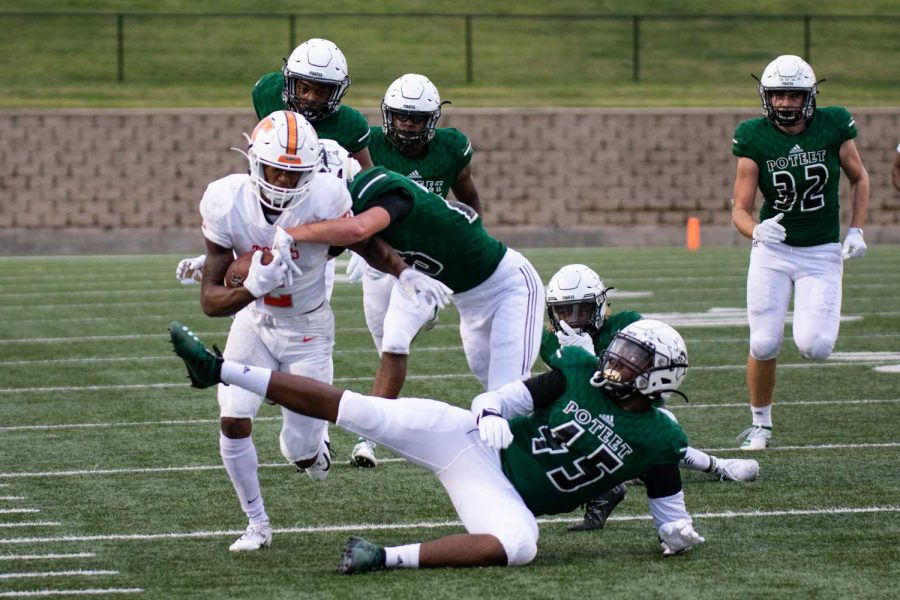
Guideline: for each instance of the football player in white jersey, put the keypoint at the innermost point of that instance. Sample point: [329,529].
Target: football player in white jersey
[282,319]
[335,160]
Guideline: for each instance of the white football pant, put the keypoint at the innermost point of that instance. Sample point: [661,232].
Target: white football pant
[444,439]
[301,345]
[815,274]
[501,322]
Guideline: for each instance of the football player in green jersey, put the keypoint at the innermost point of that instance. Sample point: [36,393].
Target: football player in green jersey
[578,308]
[795,156]
[497,291]
[312,82]
[409,142]
[530,448]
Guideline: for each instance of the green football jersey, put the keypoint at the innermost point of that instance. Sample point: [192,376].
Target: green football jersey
[799,174]
[611,326]
[446,155]
[348,127]
[445,239]
[584,444]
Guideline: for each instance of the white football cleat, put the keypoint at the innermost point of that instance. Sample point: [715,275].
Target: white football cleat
[319,469]
[257,535]
[363,454]
[735,469]
[756,437]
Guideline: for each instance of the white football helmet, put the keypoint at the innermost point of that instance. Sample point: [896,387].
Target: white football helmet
[647,357]
[412,97]
[788,73]
[318,61]
[576,295]
[337,161]
[284,140]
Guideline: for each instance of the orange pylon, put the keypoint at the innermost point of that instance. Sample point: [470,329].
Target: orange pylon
[693,233]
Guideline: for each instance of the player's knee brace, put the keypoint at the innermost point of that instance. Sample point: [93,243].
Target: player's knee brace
[764,347]
[819,347]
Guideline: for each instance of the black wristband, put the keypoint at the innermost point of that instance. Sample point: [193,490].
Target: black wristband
[488,412]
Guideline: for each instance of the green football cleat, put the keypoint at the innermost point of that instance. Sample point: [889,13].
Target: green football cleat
[204,366]
[361,556]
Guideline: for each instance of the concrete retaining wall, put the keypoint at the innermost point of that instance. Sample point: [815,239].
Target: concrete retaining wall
[130,180]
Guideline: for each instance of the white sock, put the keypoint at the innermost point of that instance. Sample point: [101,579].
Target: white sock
[402,557]
[696,460]
[253,379]
[239,458]
[762,416]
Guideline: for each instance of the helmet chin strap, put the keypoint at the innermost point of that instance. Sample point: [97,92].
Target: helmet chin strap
[680,393]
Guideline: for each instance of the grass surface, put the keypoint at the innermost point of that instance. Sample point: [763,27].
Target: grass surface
[524,54]
[107,454]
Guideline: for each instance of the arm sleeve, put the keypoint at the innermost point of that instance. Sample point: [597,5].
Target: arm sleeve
[396,203]
[664,495]
[668,509]
[662,480]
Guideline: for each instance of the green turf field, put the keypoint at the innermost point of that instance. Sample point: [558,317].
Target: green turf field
[110,478]
[173,54]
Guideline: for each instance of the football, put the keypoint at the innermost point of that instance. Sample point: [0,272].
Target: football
[238,270]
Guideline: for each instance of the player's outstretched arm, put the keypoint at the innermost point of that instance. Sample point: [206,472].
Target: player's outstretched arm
[343,232]
[670,516]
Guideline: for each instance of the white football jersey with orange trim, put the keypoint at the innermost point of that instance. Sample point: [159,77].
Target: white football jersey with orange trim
[233,218]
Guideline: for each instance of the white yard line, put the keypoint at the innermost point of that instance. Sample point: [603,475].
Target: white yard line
[85,592]
[18,511]
[46,556]
[74,573]
[198,468]
[849,510]
[188,469]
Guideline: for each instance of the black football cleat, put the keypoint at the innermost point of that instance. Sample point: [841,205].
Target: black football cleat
[597,511]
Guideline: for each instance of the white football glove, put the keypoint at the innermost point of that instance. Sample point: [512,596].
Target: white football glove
[770,231]
[568,337]
[262,279]
[190,270]
[678,537]
[356,268]
[854,244]
[414,284]
[493,429]
[283,243]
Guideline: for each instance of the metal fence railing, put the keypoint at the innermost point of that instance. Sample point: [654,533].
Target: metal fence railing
[121,40]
